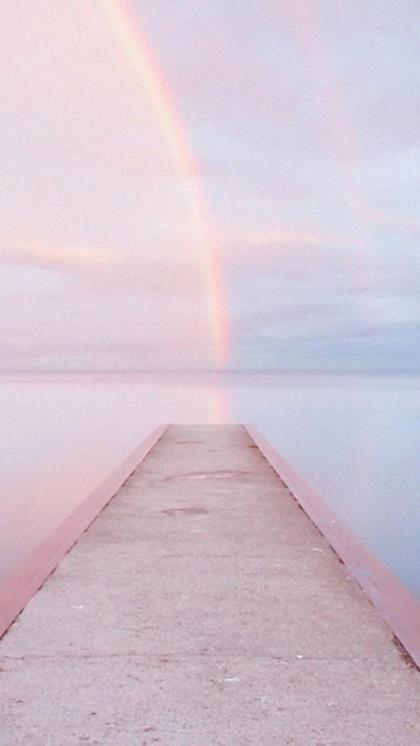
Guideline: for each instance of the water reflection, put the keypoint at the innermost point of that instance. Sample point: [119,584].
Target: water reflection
[352,438]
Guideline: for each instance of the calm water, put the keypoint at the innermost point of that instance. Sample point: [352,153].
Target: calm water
[354,439]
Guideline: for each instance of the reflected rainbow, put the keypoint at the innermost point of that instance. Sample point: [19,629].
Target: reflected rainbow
[125,22]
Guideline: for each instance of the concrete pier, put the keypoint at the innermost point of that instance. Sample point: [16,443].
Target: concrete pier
[203,607]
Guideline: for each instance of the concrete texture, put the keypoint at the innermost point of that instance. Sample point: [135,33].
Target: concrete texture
[203,607]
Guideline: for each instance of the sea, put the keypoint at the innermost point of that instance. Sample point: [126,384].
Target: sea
[354,438]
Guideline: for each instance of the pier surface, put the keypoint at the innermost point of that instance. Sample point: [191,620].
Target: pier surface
[203,607]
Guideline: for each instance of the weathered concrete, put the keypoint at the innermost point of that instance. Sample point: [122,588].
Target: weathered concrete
[203,607]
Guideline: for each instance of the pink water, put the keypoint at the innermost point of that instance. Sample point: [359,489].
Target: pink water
[354,438]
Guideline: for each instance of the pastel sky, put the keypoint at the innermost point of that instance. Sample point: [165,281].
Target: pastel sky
[240,189]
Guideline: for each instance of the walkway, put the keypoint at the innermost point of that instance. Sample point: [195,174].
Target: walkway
[203,607]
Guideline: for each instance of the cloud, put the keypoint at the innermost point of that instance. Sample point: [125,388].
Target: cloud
[54,256]
[313,179]
[393,223]
[92,330]
[247,243]
[92,270]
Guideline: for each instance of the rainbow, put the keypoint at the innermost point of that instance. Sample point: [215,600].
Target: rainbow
[306,25]
[125,23]
[305,20]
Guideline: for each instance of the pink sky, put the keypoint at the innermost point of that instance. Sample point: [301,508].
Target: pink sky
[303,119]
